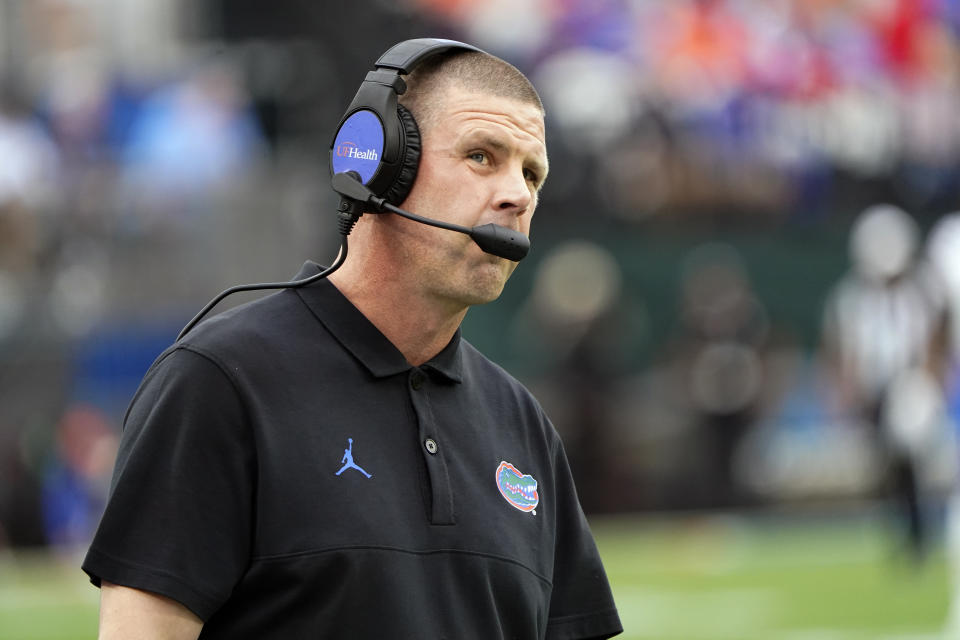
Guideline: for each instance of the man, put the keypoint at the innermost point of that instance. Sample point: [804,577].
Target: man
[886,347]
[451,514]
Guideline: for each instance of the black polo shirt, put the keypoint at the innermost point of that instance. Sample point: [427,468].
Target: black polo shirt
[285,473]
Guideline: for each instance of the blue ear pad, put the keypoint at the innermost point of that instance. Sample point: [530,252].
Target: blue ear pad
[407,173]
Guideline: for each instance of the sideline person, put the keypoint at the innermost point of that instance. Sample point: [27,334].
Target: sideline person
[335,460]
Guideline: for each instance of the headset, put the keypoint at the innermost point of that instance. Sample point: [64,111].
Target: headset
[377,137]
[374,158]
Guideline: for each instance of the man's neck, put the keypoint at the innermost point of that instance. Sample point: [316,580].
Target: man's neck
[418,327]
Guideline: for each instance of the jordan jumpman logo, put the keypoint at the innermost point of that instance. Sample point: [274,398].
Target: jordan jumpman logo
[348,460]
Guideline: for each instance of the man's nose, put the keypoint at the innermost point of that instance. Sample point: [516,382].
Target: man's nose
[513,192]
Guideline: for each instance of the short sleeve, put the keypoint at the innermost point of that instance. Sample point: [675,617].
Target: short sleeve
[581,603]
[179,518]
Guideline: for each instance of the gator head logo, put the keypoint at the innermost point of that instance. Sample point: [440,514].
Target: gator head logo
[518,489]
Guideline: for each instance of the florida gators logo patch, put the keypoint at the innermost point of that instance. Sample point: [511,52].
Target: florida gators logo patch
[516,488]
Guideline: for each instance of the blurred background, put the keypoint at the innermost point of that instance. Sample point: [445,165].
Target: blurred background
[740,309]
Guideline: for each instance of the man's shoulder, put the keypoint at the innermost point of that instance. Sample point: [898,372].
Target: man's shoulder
[259,327]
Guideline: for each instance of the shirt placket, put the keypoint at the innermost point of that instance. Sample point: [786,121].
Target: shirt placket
[432,447]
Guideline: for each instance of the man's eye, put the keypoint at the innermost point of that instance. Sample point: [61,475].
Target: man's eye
[478,156]
[531,176]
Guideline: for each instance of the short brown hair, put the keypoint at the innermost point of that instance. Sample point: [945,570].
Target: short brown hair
[474,70]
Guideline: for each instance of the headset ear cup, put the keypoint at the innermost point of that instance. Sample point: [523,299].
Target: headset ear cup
[407,173]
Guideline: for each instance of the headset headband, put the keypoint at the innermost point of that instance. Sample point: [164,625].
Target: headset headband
[404,56]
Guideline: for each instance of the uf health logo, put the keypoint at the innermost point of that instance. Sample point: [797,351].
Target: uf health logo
[516,488]
[358,145]
[349,149]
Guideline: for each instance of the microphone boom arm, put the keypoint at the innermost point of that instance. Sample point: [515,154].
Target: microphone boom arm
[492,238]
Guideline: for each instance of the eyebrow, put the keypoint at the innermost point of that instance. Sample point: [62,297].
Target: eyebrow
[488,141]
[535,163]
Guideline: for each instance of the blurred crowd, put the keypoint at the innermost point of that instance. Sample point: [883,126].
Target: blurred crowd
[760,106]
[745,283]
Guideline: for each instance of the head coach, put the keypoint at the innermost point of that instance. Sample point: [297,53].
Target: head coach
[335,460]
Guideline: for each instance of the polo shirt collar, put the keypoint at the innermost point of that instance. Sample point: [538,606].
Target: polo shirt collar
[362,339]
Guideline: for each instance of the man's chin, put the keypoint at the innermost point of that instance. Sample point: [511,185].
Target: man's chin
[481,283]
[484,288]
[481,300]
[488,293]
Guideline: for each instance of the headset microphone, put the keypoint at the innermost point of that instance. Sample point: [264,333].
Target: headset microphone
[492,238]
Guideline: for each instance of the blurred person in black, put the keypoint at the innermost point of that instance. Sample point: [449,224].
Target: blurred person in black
[717,356]
[884,334]
[335,460]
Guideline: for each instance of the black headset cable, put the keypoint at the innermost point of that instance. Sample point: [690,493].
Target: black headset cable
[347,215]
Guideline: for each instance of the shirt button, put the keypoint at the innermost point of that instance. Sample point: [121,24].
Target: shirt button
[416,379]
[430,445]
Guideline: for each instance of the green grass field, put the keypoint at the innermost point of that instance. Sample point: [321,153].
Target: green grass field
[722,578]
[692,578]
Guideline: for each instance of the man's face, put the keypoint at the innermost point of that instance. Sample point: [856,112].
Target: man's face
[483,160]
